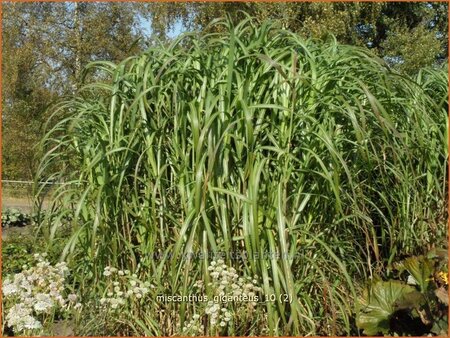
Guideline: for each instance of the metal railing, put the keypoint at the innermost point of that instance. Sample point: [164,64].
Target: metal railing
[29,182]
[24,189]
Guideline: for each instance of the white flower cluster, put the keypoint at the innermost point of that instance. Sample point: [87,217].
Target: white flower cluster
[194,327]
[122,286]
[35,292]
[231,293]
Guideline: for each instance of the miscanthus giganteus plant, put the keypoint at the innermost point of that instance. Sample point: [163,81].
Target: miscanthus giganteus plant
[247,137]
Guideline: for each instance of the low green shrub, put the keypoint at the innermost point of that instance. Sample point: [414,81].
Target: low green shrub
[18,251]
[15,217]
[416,303]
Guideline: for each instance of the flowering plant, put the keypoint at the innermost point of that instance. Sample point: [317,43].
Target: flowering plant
[34,297]
[230,296]
[119,297]
[122,287]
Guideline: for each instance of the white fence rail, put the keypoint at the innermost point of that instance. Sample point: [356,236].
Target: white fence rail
[30,182]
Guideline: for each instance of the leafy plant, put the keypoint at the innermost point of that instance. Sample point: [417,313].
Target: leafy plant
[308,156]
[15,217]
[380,302]
[233,301]
[18,251]
[416,306]
[33,298]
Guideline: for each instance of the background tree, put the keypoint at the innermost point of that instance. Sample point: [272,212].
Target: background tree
[409,35]
[45,47]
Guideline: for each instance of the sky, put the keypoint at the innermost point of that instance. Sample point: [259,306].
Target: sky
[145,24]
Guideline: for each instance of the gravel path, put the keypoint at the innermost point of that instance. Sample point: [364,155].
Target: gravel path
[21,203]
[24,204]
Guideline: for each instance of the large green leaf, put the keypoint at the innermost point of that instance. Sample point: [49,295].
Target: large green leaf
[420,268]
[380,301]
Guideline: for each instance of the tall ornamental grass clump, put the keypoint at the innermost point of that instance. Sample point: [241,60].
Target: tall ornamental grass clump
[313,160]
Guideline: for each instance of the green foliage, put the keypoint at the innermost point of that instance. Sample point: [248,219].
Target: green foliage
[380,302]
[15,217]
[411,49]
[411,35]
[394,307]
[16,253]
[45,46]
[308,156]
[420,268]
[18,249]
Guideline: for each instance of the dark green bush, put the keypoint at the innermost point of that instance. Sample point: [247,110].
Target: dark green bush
[15,217]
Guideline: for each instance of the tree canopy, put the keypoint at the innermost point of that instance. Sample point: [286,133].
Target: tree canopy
[45,47]
[408,35]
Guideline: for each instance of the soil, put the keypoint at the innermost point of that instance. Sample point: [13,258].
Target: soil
[24,204]
[16,231]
